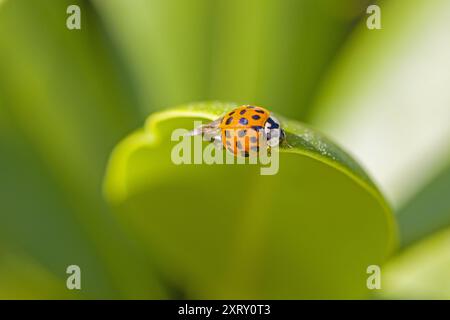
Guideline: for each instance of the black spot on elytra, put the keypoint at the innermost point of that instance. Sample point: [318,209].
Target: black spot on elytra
[242,111]
[256,117]
[257,128]
[243,121]
[229,120]
[259,111]
[231,113]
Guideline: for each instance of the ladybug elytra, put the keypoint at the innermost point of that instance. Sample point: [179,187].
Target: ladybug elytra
[244,130]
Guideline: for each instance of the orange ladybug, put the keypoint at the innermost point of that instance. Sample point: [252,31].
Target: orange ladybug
[244,130]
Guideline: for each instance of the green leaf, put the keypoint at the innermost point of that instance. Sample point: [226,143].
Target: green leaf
[225,231]
[421,271]
[23,278]
[428,211]
[62,108]
[260,51]
[386,97]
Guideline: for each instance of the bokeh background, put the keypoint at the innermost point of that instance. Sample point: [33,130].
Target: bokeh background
[67,97]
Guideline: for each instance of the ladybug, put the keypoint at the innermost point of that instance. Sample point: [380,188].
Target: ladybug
[244,130]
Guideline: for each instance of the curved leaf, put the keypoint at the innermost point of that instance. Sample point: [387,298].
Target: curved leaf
[421,271]
[428,211]
[386,99]
[254,50]
[225,231]
[23,278]
[62,107]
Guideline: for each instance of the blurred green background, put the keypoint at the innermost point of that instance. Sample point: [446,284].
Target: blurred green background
[68,97]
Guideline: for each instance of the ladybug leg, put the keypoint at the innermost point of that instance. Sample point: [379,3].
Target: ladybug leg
[212,135]
[217,140]
[284,142]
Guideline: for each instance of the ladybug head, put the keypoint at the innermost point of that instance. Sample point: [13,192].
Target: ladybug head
[273,132]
